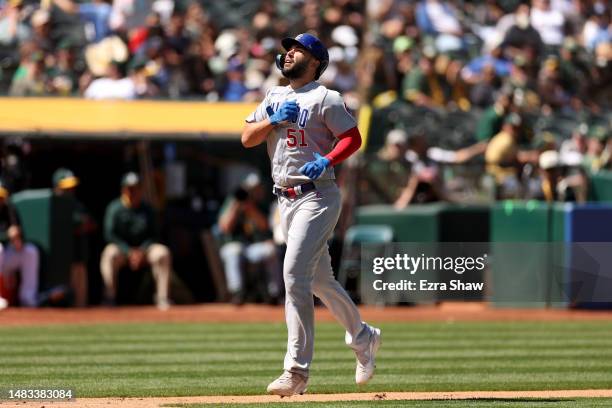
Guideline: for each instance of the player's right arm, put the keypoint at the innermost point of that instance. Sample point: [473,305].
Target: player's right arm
[264,119]
[255,133]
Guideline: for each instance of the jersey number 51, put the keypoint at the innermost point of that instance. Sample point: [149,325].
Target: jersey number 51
[296,137]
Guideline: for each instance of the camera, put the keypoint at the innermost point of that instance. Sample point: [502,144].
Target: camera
[241,195]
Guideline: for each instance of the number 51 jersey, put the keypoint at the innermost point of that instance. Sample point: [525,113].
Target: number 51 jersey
[322,117]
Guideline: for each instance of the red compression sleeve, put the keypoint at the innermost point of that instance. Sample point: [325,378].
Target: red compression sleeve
[349,143]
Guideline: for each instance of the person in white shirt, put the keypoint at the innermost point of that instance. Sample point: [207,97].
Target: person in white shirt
[111,86]
[115,86]
[548,22]
[597,29]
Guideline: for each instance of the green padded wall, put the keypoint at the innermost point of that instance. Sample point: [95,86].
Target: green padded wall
[517,221]
[519,275]
[601,186]
[416,223]
[429,224]
[47,222]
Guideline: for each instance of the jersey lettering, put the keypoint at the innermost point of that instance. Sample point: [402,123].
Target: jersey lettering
[272,108]
[303,117]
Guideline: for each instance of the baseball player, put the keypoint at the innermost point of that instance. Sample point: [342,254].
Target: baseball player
[301,124]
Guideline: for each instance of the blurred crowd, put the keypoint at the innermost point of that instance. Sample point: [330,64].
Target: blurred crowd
[432,53]
[459,54]
[504,164]
[126,49]
[519,91]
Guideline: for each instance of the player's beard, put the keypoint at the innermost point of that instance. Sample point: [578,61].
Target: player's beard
[296,71]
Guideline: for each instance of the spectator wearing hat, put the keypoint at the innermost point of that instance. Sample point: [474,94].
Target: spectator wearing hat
[504,158]
[550,88]
[113,85]
[41,30]
[235,88]
[247,242]
[595,157]
[63,79]
[388,175]
[599,90]
[131,232]
[553,184]
[572,150]
[573,70]
[492,119]
[402,51]
[422,85]
[483,92]
[425,182]
[16,256]
[475,69]
[29,78]
[117,86]
[65,184]
[550,165]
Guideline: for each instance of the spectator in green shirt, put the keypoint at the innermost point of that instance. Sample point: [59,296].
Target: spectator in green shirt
[492,119]
[131,230]
[422,86]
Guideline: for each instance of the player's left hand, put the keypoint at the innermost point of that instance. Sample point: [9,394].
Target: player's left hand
[315,168]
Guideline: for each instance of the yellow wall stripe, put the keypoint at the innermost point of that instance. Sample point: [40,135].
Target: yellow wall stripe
[56,115]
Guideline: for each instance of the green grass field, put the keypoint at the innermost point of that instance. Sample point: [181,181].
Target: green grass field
[178,359]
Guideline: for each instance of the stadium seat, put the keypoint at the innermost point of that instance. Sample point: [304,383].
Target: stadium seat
[350,266]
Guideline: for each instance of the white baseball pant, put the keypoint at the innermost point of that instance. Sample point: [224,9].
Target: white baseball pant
[308,222]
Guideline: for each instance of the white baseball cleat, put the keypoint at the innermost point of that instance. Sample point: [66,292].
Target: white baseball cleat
[366,360]
[288,384]
[3,303]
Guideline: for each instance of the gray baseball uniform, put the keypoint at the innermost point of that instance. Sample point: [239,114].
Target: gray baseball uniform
[308,220]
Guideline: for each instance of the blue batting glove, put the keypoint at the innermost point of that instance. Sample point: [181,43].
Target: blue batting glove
[315,168]
[288,111]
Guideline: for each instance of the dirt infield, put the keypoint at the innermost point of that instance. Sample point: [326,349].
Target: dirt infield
[250,399]
[223,313]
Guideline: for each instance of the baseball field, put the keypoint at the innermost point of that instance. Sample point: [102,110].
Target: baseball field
[192,357]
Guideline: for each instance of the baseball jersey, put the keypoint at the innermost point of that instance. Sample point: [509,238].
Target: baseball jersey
[321,119]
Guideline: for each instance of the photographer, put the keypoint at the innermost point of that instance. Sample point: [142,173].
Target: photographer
[247,241]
